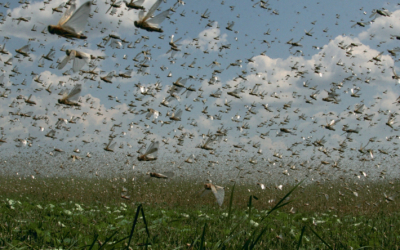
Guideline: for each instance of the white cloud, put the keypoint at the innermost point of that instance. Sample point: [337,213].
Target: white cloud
[209,39]
[382,27]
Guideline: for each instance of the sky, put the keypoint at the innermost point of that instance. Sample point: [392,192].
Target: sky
[294,52]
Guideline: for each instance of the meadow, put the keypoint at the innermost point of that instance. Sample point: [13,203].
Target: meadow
[144,213]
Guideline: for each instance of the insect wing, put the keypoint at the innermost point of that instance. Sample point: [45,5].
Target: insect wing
[169,174]
[9,60]
[152,150]
[51,133]
[155,21]
[116,44]
[178,82]
[151,10]
[210,140]
[189,92]
[80,61]
[183,82]
[141,15]
[112,146]
[373,14]
[140,151]
[25,48]
[139,2]
[178,114]
[62,6]
[66,60]
[110,75]
[78,20]
[73,95]
[190,159]
[78,64]
[149,115]
[394,72]
[67,14]
[128,72]
[219,193]
[178,41]
[52,54]
[205,192]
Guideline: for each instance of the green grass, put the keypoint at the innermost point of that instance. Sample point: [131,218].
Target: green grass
[90,214]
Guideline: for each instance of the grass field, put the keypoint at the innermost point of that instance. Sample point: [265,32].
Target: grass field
[65,213]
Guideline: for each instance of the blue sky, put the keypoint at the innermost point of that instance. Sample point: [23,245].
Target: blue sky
[335,53]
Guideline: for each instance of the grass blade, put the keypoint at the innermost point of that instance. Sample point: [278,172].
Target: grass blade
[280,203]
[230,204]
[246,244]
[94,241]
[115,243]
[250,243]
[231,201]
[107,240]
[258,237]
[73,244]
[326,244]
[301,237]
[133,226]
[194,241]
[145,222]
[179,247]
[202,247]
[15,247]
[231,236]
[237,226]
[249,205]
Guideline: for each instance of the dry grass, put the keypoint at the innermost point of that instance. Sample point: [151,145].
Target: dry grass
[343,197]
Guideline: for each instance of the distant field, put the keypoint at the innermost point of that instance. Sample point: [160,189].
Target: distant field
[74,213]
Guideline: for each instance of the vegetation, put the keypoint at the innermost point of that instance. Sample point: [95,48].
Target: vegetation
[65,213]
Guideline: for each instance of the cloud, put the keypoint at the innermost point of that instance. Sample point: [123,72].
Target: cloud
[382,27]
[209,39]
